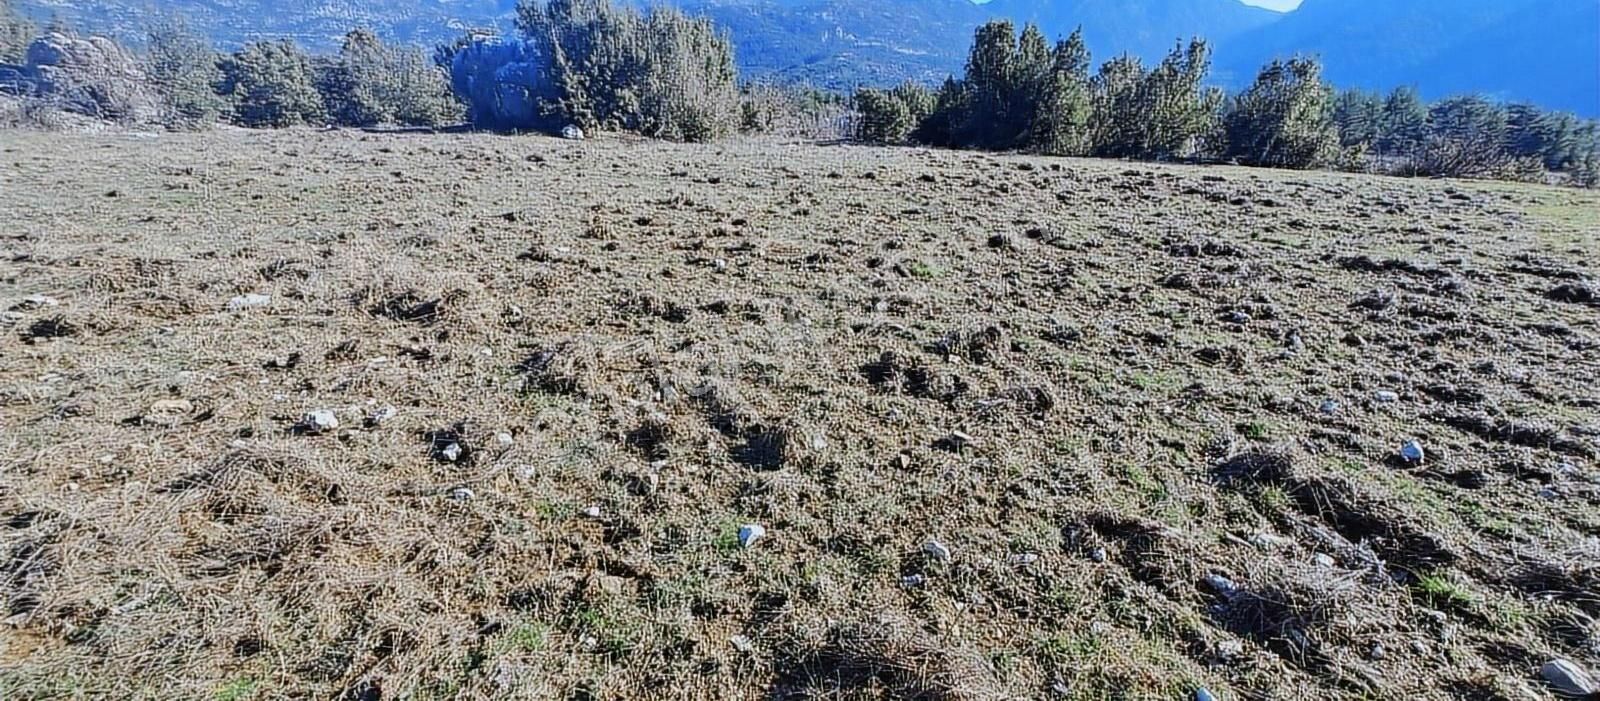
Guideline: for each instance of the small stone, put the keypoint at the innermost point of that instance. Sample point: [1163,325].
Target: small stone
[591,512]
[249,301]
[750,533]
[1413,453]
[1024,559]
[1386,397]
[1549,494]
[1222,585]
[377,418]
[742,644]
[461,494]
[169,412]
[1378,652]
[572,132]
[1419,648]
[504,439]
[1236,317]
[1329,407]
[1098,554]
[319,421]
[1269,541]
[1230,649]
[1569,680]
[720,264]
[34,302]
[936,550]
[451,453]
[1324,560]
[527,472]
[913,581]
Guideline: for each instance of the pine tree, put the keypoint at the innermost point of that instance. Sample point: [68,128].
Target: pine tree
[1404,123]
[989,120]
[1283,120]
[15,33]
[184,69]
[1173,110]
[1115,125]
[951,106]
[1061,126]
[1033,75]
[371,83]
[272,84]
[1466,138]
[1358,114]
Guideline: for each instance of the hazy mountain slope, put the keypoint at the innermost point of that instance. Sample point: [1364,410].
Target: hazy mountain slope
[1547,51]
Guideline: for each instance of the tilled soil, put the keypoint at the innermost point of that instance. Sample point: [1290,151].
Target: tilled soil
[1014,427]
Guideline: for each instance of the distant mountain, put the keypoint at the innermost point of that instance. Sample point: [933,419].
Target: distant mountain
[842,43]
[1146,28]
[1547,51]
[1543,50]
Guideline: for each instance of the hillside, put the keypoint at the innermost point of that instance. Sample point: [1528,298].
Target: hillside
[335,415]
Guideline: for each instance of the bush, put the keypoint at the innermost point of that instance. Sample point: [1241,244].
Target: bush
[505,85]
[1465,138]
[271,84]
[892,116]
[370,83]
[790,111]
[15,33]
[1284,119]
[663,74]
[184,69]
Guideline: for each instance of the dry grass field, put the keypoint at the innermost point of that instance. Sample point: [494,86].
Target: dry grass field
[1014,427]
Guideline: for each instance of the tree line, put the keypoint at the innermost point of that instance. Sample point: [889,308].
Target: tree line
[603,66]
[1020,93]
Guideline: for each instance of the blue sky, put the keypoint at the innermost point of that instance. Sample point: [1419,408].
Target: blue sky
[1283,5]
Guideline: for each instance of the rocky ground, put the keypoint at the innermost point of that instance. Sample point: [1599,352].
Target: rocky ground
[336,415]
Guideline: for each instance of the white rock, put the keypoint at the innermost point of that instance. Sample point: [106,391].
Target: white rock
[319,421]
[504,439]
[1098,554]
[1230,649]
[937,550]
[1412,452]
[377,418]
[742,644]
[1569,679]
[1325,560]
[572,132]
[1329,407]
[1024,558]
[249,301]
[1386,396]
[750,533]
[913,581]
[461,494]
[451,452]
[592,512]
